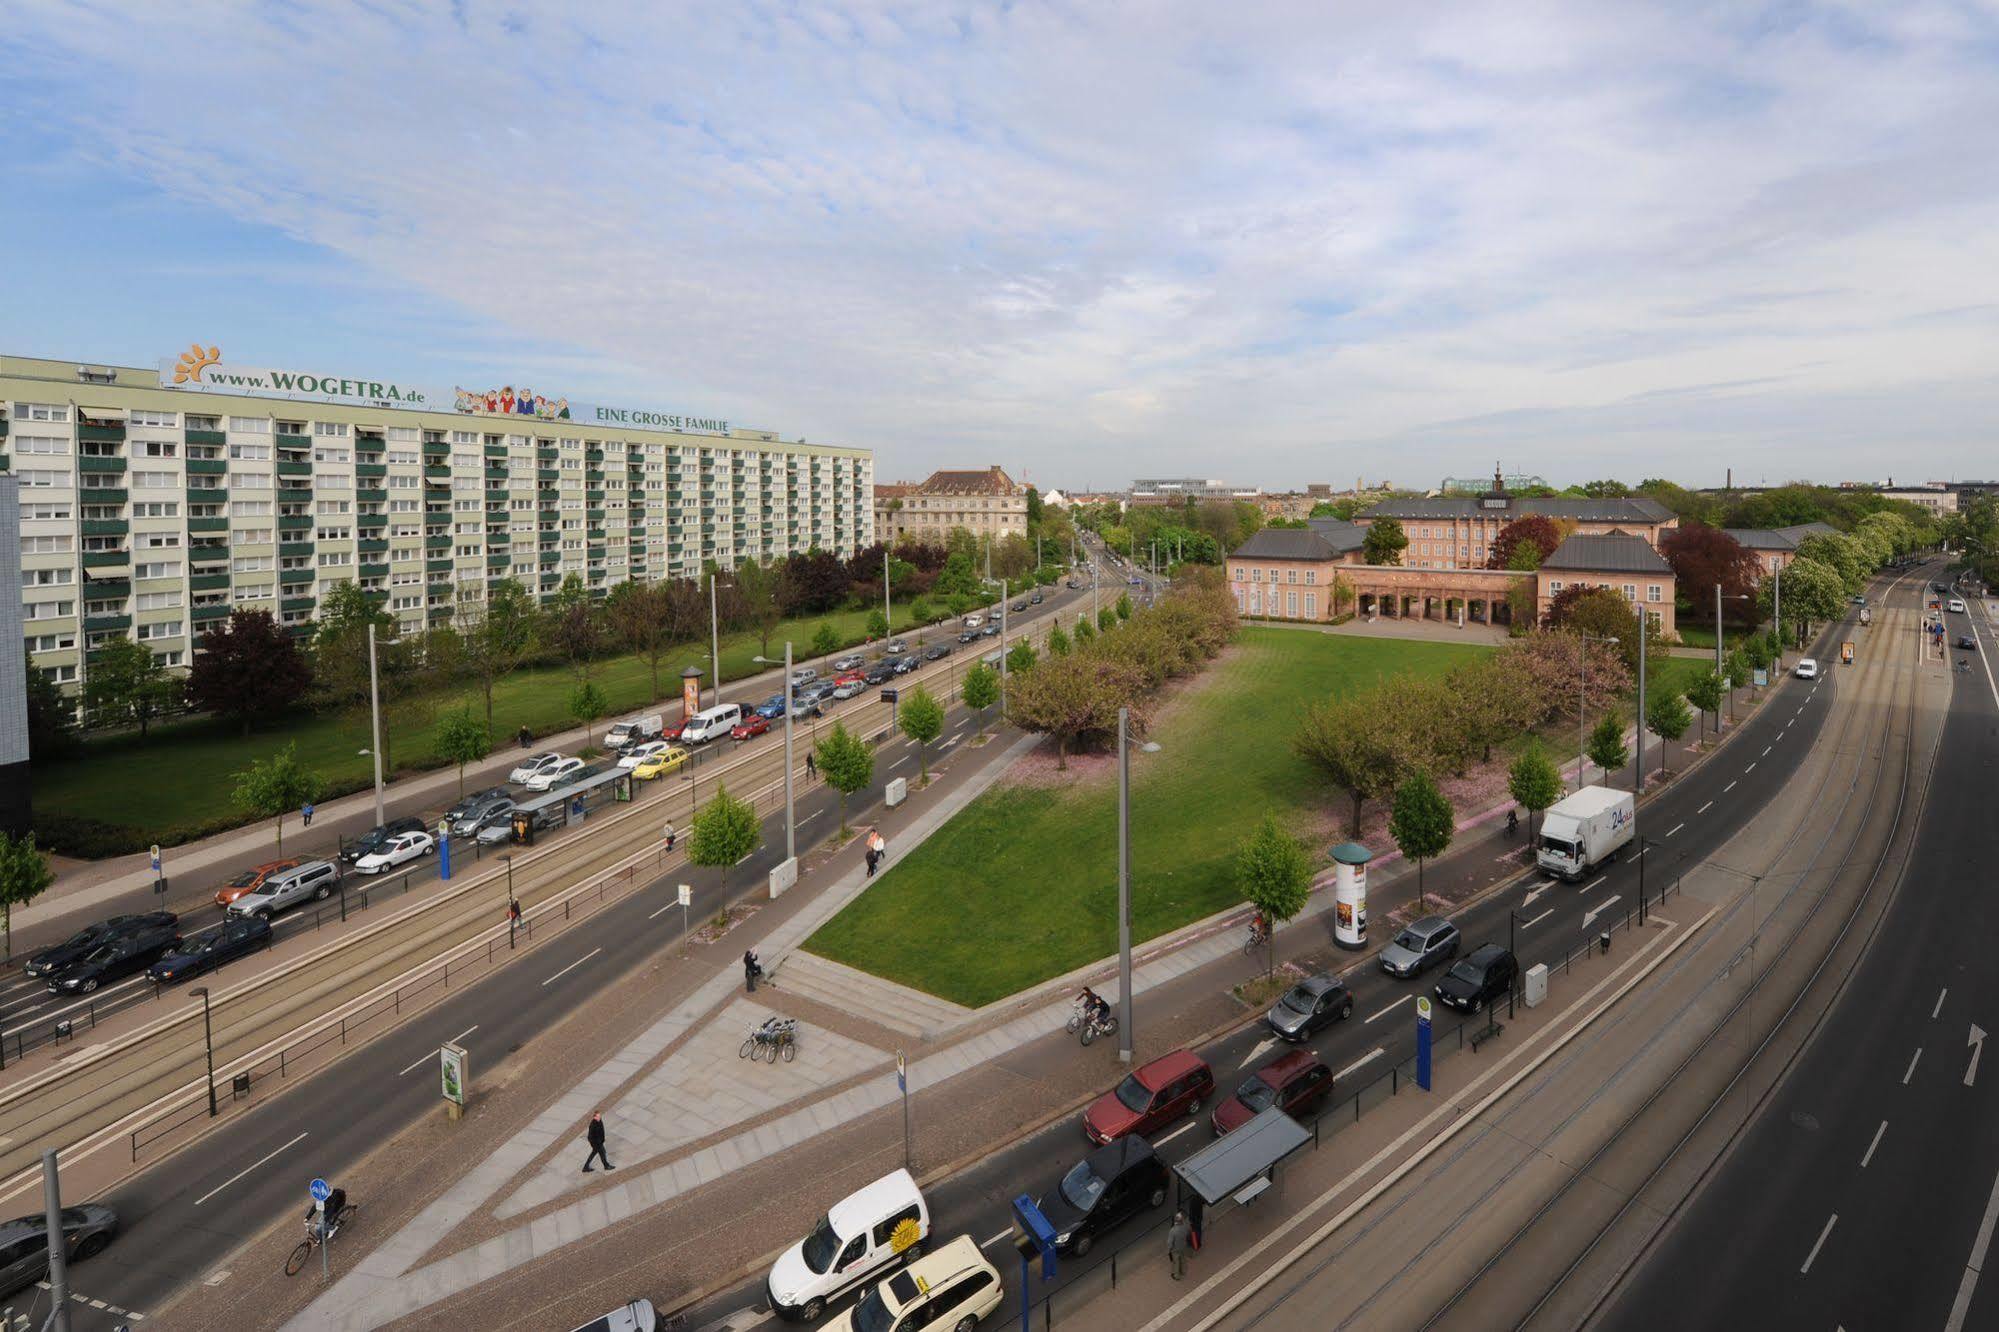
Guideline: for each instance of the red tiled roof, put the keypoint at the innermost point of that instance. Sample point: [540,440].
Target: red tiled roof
[990,481]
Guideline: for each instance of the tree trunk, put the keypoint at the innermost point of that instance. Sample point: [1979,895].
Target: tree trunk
[486,683]
[280,824]
[1061,753]
[1422,902]
[1358,800]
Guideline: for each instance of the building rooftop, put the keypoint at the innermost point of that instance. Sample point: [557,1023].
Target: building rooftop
[1614,552]
[1338,533]
[1777,538]
[1637,509]
[989,481]
[1289,543]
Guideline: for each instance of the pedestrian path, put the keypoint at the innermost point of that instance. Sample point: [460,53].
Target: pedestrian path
[701,1089]
[883,1002]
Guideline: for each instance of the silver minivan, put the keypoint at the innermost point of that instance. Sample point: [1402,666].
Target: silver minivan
[313,880]
[1421,945]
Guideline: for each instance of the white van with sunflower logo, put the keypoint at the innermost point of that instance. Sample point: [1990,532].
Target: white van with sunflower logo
[856,1241]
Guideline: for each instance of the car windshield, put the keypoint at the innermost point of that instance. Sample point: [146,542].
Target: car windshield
[243,880]
[822,1246]
[1257,1094]
[1467,971]
[102,953]
[1559,846]
[1411,940]
[1082,1187]
[871,1315]
[1299,999]
[1133,1094]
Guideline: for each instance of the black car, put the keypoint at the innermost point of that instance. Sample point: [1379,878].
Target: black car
[1312,1004]
[1487,974]
[376,837]
[969,636]
[992,629]
[937,652]
[115,958]
[904,664]
[474,801]
[1020,605]
[1967,642]
[208,950]
[78,945]
[1109,1186]
[1036,599]
[879,673]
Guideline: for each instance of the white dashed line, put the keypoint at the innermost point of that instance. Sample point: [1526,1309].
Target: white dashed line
[1390,1009]
[247,1169]
[1528,924]
[1678,826]
[577,963]
[1361,1062]
[1911,1071]
[1751,768]
[1765,753]
[1815,1248]
[1726,789]
[1939,1008]
[1872,1145]
[1174,1134]
[1593,883]
[991,1240]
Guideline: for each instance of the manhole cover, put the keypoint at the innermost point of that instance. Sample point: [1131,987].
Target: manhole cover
[1805,1121]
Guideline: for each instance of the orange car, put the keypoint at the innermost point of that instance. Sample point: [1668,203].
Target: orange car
[250,880]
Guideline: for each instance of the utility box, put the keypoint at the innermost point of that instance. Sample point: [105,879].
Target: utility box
[898,791]
[1537,984]
[783,875]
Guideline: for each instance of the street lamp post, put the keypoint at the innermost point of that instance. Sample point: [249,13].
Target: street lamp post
[208,1039]
[1582,696]
[790,825]
[1717,643]
[375,723]
[508,861]
[1127,1042]
[714,638]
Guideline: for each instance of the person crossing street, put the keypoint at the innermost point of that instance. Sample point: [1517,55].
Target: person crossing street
[595,1137]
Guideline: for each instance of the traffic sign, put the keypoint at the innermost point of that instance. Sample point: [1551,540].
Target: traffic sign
[155,854]
[1422,1008]
[686,894]
[320,1190]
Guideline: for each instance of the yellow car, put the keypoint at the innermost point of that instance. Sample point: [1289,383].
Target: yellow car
[667,760]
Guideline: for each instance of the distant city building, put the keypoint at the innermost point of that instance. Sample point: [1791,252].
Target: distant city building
[1176,490]
[1478,485]
[1937,497]
[1055,499]
[985,503]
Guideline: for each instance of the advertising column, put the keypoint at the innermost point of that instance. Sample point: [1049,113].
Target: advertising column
[1350,894]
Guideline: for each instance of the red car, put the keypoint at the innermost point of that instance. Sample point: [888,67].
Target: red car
[1151,1097]
[749,726]
[672,730]
[1295,1082]
[849,677]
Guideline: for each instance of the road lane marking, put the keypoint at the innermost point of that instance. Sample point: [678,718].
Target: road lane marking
[1939,1008]
[1259,1048]
[663,910]
[1872,1145]
[1676,828]
[1174,1134]
[1977,1044]
[991,1240]
[1539,888]
[1397,1004]
[1726,789]
[1600,908]
[1751,768]
[1705,808]
[1976,1263]
[1815,1248]
[577,963]
[1912,1066]
[809,817]
[1599,879]
[1528,924]
[463,1034]
[899,762]
[246,1170]
[1765,753]
[1361,1062]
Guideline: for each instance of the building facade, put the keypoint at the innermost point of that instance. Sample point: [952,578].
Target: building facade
[150,508]
[986,503]
[1178,489]
[1456,532]
[1775,548]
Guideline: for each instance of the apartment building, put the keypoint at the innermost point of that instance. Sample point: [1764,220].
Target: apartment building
[986,503]
[153,501]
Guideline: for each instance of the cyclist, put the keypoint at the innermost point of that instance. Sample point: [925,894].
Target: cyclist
[336,1206]
[1259,928]
[1512,822]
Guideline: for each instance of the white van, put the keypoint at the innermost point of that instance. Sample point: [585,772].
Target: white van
[859,1238]
[636,731]
[713,724]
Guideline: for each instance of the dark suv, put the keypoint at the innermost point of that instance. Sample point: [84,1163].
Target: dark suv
[1484,976]
[1150,1098]
[1109,1186]
[79,945]
[378,836]
[117,957]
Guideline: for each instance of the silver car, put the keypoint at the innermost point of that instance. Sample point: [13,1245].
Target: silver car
[1421,945]
[24,1242]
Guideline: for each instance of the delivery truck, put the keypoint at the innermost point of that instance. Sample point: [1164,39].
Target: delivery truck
[1582,831]
[635,731]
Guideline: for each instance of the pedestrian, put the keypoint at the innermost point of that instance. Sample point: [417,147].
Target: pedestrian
[672,835]
[513,912]
[878,844]
[526,737]
[596,1140]
[306,813]
[1179,1243]
[873,859]
[751,969]
[811,766]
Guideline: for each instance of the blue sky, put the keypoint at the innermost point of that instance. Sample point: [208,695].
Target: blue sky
[1270,243]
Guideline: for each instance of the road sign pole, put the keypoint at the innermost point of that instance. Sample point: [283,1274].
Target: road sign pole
[902,1082]
[1423,1042]
[686,899]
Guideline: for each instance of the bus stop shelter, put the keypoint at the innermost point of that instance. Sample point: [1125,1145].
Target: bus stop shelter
[1238,1167]
[567,805]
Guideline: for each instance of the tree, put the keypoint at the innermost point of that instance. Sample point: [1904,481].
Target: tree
[347,611]
[957,577]
[1344,593]
[825,640]
[1123,607]
[1813,593]
[496,632]
[1058,642]
[1523,543]
[725,831]
[642,617]
[1073,697]
[461,738]
[1421,822]
[921,717]
[1704,692]
[877,624]
[1274,872]
[1841,553]
[249,670]
[1491,700]
[51,715]
[128,686]
[1666,716]
[1106,619]
[1084,631]
[24,876]
[1020,658]
[847,764]
[757,587]
[1534,783]
[1384,543]
[981,690]
[815,581]
[920,613]
[586,704]
[1353,744]
[1606,747]
[575,628]
[1704,558]
[269,788]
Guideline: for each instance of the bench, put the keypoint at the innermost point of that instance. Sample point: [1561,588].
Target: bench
[1488,1032]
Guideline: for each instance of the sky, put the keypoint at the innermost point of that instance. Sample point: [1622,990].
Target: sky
[1270,244]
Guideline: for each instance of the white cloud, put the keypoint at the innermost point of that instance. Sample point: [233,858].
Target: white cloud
[1275,242]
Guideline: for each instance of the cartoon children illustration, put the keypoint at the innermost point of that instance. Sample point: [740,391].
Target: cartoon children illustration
[507,400]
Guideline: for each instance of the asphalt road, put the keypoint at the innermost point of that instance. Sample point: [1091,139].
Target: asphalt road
[1864,1193]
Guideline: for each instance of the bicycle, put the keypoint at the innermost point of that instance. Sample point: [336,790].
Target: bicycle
[1258,937]
[1098,1024]
[1077,1012]
[775,1036]
[313,1239]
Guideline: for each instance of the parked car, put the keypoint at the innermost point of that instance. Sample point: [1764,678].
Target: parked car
[854,1240]
[803,675]
[1109,1186]
[1151,1097]
[673,729]
[398,850]
[24,1242]
[1967,643]
[634,1316]
[895,647]
[528,767]
[749,726]
[377,837]
[969,636]
[1036,599]
[905,664]
[583,774]
[973,621]
[772,708]
[211,948]
[497,826]
[992,629]
[1421,945]
[634,731]
[879,674]
[247,882]
[638,754]
[467,803]
[1295,1082]
[549,777]
[116,958]
[667,760]
[1310,1006]
[314,879]
[937,652]
[853,661]
[848,688]
[1485,975]
[952,1288]
[1019,606]
[1806,669]
[84,941]
[1074,585]
[813,695]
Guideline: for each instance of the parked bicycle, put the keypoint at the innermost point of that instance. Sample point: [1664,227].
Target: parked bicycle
[777,1036]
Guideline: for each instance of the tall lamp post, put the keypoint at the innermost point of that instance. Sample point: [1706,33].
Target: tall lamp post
[208,1039]
[1718,599]
[375,723]
[1582,697]
[1127,1043]
[790,827]
[714,637]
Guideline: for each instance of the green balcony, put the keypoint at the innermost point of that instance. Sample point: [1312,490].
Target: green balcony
[107,589]
[437,542]
[211,582]
[371,522]
[298,603]
[208,524]
[372,546]
[101,623]
[496,450]
[551,557]
[496,474]
[293,577]
[374,570]
[106,559]
[295,522]
[437,566]
[206,466]
[371,469]
[437,471]
[371,495]
[291,467]
[206,437]
[105,527]
[545,455]
[208,555]
[100,465]
[496,561]
[433,447]
[199,614]
[289,441]
[103,434]
[546,474]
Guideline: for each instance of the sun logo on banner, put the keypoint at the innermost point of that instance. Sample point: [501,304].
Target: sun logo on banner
[905,1235]
[193,361]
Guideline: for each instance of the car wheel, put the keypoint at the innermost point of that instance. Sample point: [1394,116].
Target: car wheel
[812,1309]
[913,1252]
[322,894]
[88,985]
[1080,1245]
[967,1323]
[1158,1197]
[1346,1010]
[1194,1107]
[91,1247]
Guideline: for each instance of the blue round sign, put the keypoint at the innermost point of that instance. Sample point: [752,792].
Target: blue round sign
[319,1189]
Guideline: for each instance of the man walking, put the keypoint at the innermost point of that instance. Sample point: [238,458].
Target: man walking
[811,766]
[596,1140]
[751,969]
[306,813]
[873,858]
[1179,1241]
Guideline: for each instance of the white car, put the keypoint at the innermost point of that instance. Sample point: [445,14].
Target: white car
[638,754]
[545,778]
[1806,669]
[1957,605]
[530,766]
[853,661]
[398,850]
[802,676]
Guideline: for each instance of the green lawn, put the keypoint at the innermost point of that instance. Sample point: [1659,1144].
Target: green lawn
[190,765]
[1022,884]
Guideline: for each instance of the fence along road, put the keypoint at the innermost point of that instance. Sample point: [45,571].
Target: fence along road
[90,1098]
